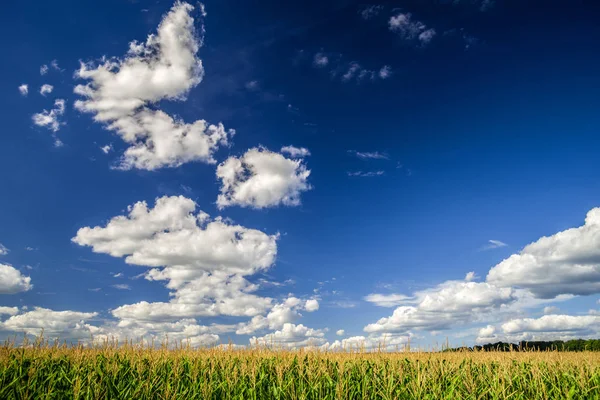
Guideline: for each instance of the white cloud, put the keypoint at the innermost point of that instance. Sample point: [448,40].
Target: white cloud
[291,336]
[189,244]
[43,69]
[3,250]
[9,310]
[370,11]
[385,72]
[252,85]
[547,327]
[320,60]
[488,331]
[494,244]
[107,148]
[387,300]
[50,119]
[24,89]
[311,305]
[54,65]
[565,263]
[363,174]
[356,71]
[553,323]
[203,260]
[427,36]
[11,280]
[261,178]
[340,332]
[62,324]
[551,310]
[385,341]
[278,316]
[46,89]
[366,155]
[444,306]
[408,29]
[164,67]
[295,152]
[184,330]
[122,286]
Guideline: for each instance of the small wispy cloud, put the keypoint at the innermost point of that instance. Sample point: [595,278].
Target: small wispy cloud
[295,152]
[374,155]
[107,149]
[252,85]
[50,119]
[370,11]
[118,275]
[387,300]
[46,89]
[493,244]
[43,69]
[411,30]
[122,286]
[363,174]
[320,60]
[95,289]
[3,250]
[24,89]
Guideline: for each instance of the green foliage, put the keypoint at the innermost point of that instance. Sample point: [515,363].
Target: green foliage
[130,372]
[556,345]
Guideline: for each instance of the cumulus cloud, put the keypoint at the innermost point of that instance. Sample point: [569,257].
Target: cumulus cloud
[340,332]
[46,89]
[291,336]
[295,152]
[50,119]
[411,30]
[24,89]
[12,281]
[281,314]
[164,67]
[565,263]
[547,327]
[385,341]
[261,178]
[8,310]
[444,306]
[311,305]
[61,324]
[203,260]
[107,148]
[186,331]
[171,235]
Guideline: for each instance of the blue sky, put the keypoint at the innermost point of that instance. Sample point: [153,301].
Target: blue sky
[322,174]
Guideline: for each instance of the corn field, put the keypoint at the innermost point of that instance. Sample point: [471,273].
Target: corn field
[44,371]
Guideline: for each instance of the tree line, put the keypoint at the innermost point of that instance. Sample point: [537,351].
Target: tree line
[554,345]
